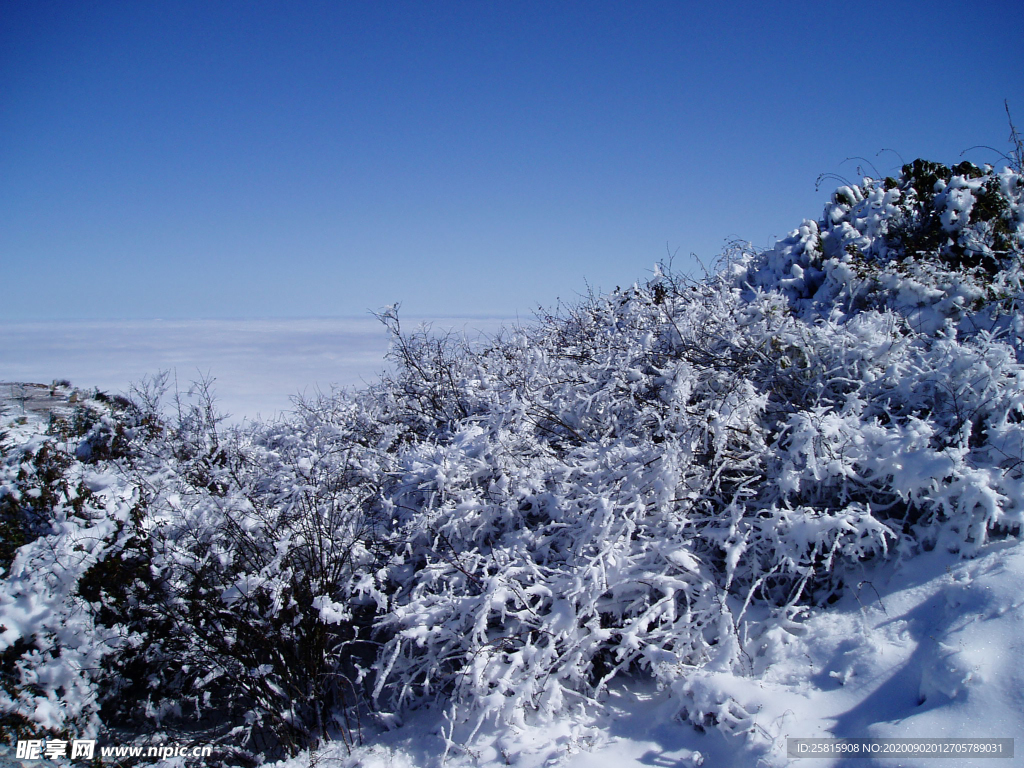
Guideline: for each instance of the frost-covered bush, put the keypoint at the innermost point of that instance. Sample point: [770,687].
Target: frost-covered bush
[250,554]
[219,589]
[58,520]
[630,478]
[657,481]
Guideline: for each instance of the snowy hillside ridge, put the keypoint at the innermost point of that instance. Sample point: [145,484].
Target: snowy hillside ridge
[663,483]
[938,244]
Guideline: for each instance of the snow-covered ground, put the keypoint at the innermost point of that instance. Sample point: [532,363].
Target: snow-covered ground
[929,648]
[258,365]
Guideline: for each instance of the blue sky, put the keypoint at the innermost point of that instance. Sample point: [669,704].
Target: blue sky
[311,159]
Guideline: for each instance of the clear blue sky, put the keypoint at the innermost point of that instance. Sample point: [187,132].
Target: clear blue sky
[272,159]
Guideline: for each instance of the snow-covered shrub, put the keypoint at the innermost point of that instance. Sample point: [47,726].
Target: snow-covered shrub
[222,592]
[59,518]
[246,600]
[632,476]
[656,481]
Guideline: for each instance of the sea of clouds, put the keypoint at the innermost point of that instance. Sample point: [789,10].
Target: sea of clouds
[258,366]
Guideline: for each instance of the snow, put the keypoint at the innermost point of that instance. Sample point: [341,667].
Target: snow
[928,649]
[675,525]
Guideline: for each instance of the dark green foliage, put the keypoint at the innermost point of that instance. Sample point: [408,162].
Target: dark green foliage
[41,485]
[844,198]
[918,233]
[991,205]
[14,726]
[967,170]
[923,175]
